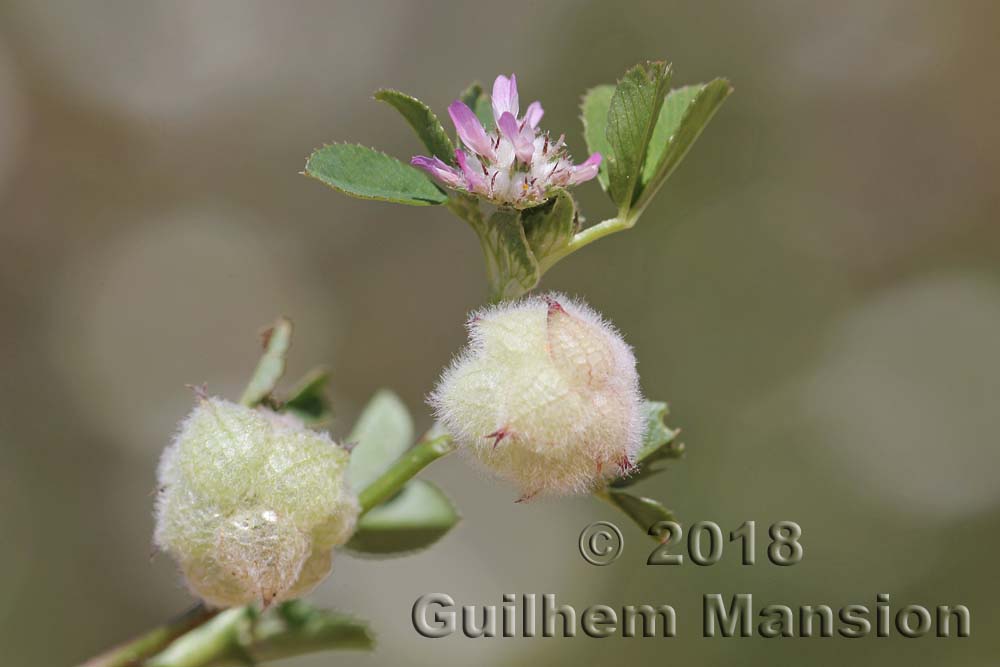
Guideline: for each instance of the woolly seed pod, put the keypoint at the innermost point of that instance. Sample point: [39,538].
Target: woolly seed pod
[251,504]
[546,395]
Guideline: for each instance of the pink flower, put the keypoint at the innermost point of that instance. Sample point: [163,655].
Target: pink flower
[470,130]
[438,170]
[504,96]
[511,163]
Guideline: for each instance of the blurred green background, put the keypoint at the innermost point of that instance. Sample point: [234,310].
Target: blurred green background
[816,292]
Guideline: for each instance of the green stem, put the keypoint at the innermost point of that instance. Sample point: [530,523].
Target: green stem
[406,466]
[240,636]
[207,644]
[599,231]
[134,652]
[588,236]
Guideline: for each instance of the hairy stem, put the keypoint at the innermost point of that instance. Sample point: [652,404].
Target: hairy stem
[406,466]
[134,652]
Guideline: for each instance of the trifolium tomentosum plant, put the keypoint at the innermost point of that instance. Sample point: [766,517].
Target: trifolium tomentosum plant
[254,497]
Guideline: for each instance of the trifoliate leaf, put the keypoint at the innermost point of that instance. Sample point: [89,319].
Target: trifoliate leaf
[271,366]
[685,113]
[383,432]
[423,121]
[368,174]
[416,518]
[632,116]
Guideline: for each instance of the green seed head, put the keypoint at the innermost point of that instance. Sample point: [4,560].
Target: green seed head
[546,395]
[251,504]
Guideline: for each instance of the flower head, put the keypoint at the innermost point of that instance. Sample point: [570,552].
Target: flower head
[546,395]
[251,504]
[511,163]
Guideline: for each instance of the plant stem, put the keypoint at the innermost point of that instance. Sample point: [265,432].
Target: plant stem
[599,231]
[588,236]
[406,466]
[133,653]
[240,636]
[204,645]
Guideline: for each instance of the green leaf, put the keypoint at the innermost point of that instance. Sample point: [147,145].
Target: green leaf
[632,115]
[685,114]
[549,227]
[271,366]
[238,637]
[511,264]
[659,446]
[383,432]
[297,627]
[643,511]
[471,94]
[310,400]
[423,121]
[416,518]
[476,99]
[368,174]
[594,114]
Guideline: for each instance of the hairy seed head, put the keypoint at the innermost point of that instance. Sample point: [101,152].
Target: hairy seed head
[251,504]
[546,395]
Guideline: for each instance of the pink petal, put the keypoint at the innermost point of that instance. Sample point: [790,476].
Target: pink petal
[473,179]
[533,114]
[504,96]
[438,169]
[524,147]
[586,170]
[470,130]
